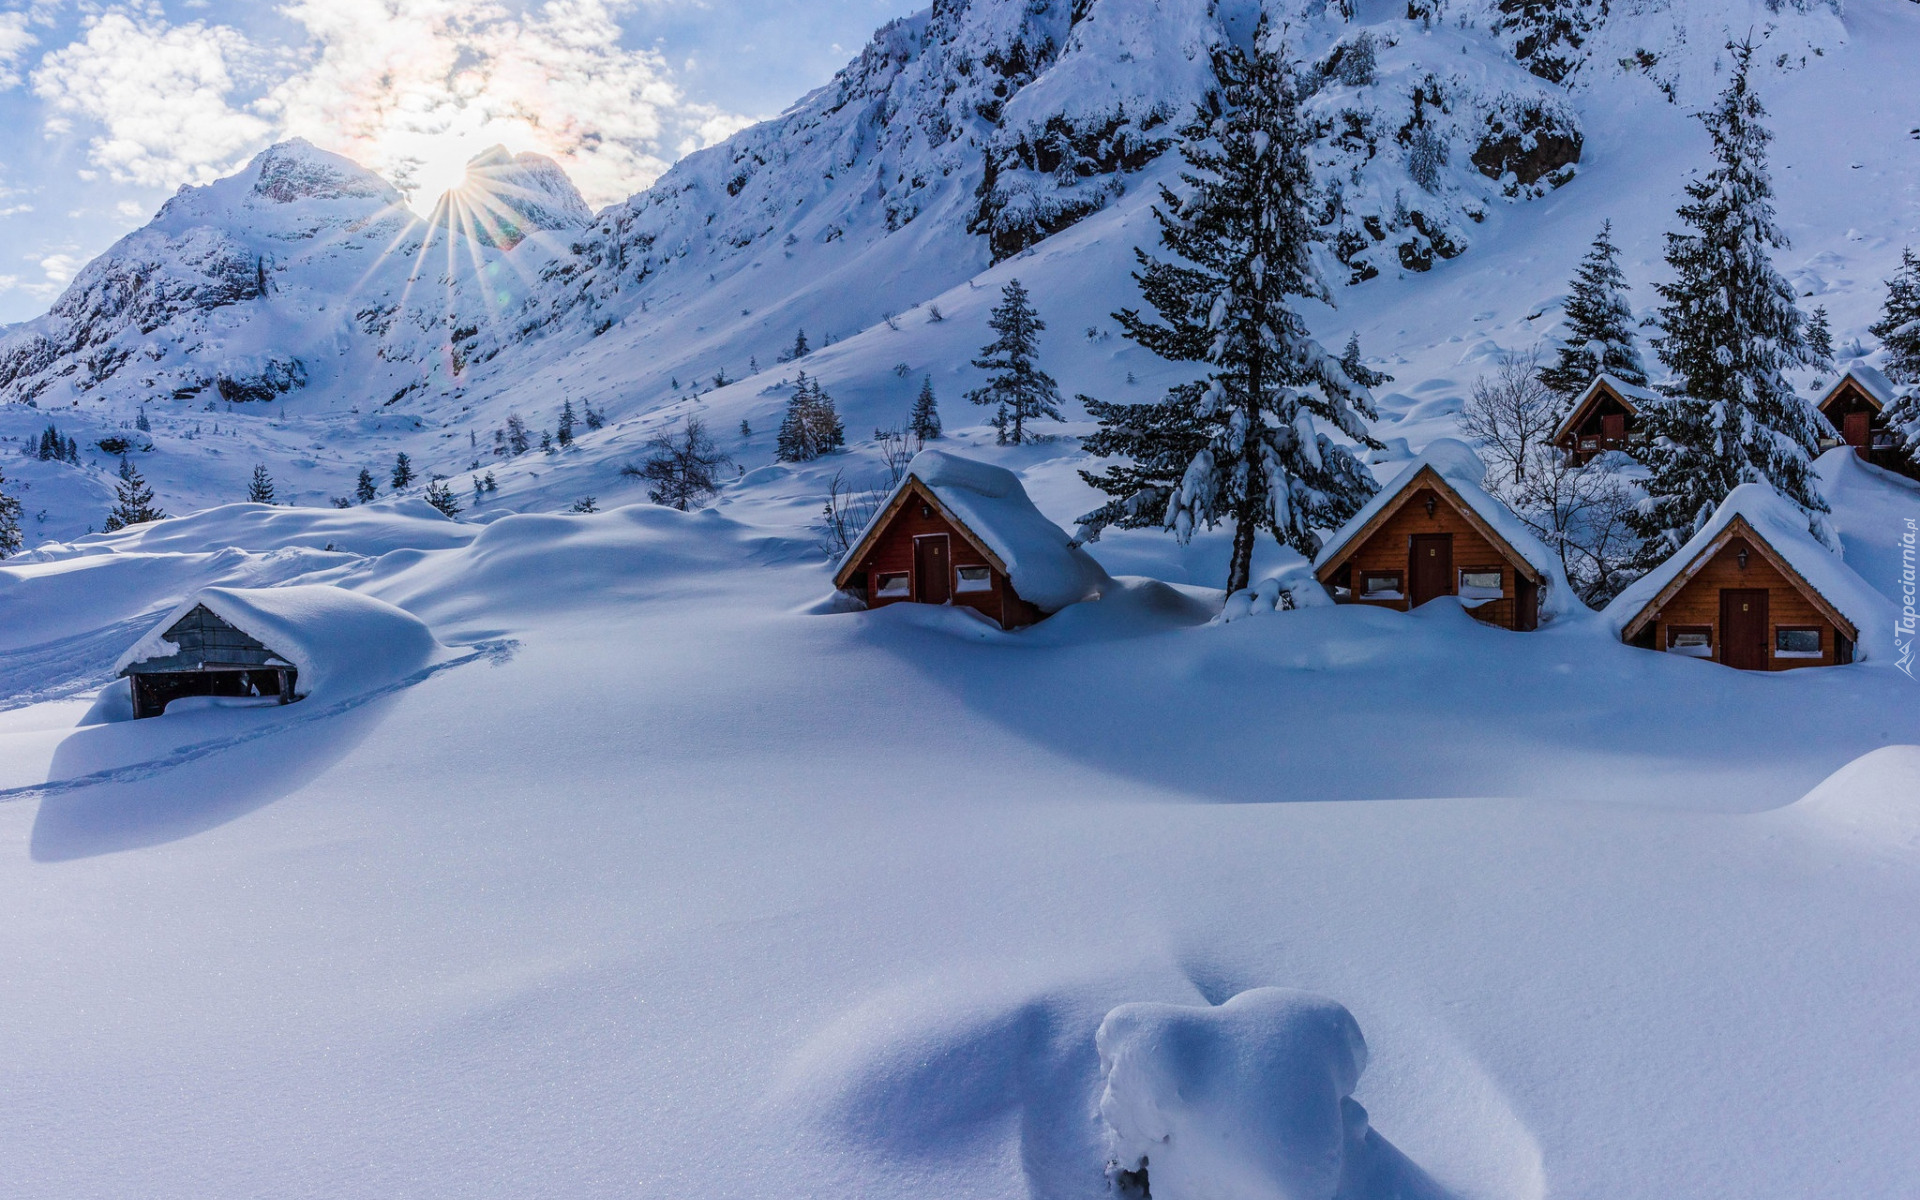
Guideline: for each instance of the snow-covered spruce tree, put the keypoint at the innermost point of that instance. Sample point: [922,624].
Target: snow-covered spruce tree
[563,433]
[402,470]
[11,538]
[1355,365]
[518,442]
[1599,335]
[441,497]
[1729,332]
[260,490]
[364,490]
[811,426]
[1244,444]
[924,421]
[1018,389]
[1899,332]
[1820,336]
[133,499]
[141,423]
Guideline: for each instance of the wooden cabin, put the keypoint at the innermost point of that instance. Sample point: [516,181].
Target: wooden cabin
[202,654]
[1856,407]
[955,531]
[1604,417]
[1743,593]
[1434,532]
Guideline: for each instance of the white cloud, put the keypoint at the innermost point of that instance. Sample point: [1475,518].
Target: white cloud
[413,88]
[59,267]
[161,94]
[15,41]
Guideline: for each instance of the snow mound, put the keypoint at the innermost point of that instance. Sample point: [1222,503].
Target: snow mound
[1047,568]
[1251,1100]
[342,643]
[1455,460]
[1784,528]
[1874,798]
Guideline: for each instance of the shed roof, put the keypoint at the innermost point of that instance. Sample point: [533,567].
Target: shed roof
[1779,529]
[328,633]
[1632,397]
[1454,471]
[1868,379]
[988,504]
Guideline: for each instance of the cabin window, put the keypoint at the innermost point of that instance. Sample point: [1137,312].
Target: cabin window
[1796,641]
[975,579]
[894,585]
[1481,584]
[1380,585]
[1694,641]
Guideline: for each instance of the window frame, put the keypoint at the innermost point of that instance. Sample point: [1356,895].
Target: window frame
[1460,583]
[880,591]
[1703,651]
[1818,635]
[960,580]
[1398,575]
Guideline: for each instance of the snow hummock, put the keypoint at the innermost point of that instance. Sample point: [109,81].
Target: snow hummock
[342,643]
[1873,799]
[1047,569]
[1783,527]
[1463,471]
[1249,1100]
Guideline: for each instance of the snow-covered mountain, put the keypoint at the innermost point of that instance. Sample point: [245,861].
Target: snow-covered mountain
[1466,153]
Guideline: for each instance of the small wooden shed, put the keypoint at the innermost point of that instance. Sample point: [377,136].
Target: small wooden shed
[1432,531]
[1856,407]
[1753,590]
[957,531]
[1604,417]
[200,653]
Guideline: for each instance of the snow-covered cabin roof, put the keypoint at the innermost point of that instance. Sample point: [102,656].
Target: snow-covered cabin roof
[1453,470]
[330,635]
[1868,379]
[1631,396]
[1779,529]
[989,505]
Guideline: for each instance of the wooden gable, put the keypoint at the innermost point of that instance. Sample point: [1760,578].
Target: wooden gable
[1848,395]
[1738,528]
[1598,393]
[207,642]
[911,491]
[891,547]
[1427,477]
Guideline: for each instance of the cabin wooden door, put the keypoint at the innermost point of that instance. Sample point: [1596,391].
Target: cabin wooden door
[1743,628]
[1855,427]
[932,569]
[1613,430]
[1430,573]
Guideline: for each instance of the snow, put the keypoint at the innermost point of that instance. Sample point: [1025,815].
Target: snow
[1247,1100]
[1871,379]
[1462,470]
[674,880]
[1047,569]
[342,643]
[1784,528]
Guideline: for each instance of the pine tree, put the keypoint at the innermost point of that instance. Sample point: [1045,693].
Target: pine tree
[811,426]
[1018,389]
[595,418]
[924,421]
[1729,330]
[1899,332]
[518,442]
[563,433]
[133,500]
[11,538]
[364,491]
[1247,444]
[402,470]
[546,442]
[1599,335]
[800,349]
[140,421]
[1355,365]
[684,471]
[441,497]
[260,491]
[1820,337]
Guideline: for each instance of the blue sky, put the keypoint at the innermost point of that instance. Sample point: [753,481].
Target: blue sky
[107,108]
